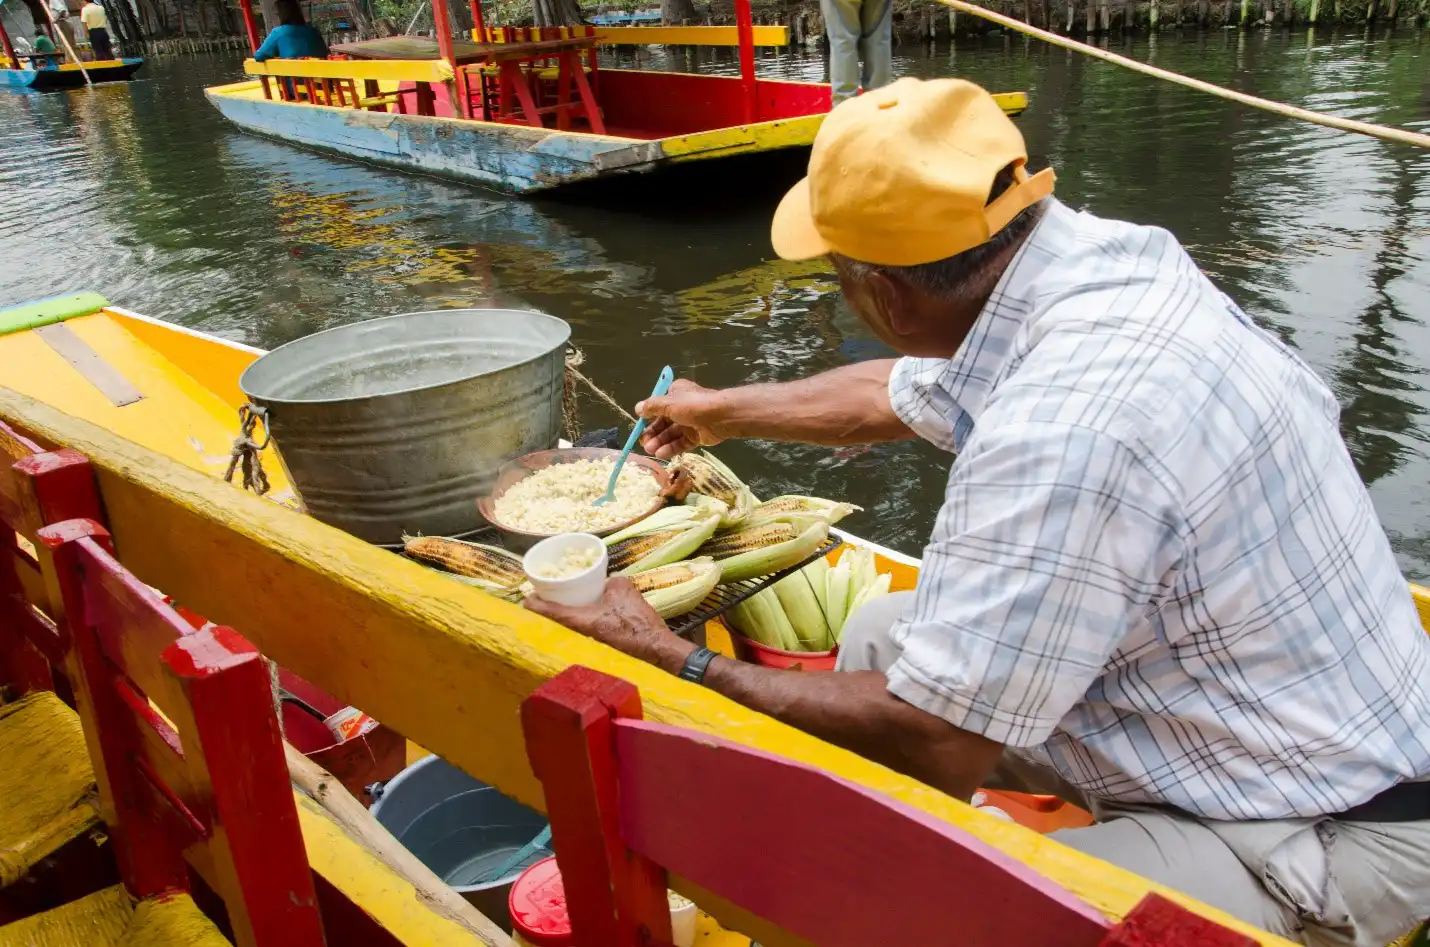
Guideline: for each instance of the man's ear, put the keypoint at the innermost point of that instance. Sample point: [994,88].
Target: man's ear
[889,295]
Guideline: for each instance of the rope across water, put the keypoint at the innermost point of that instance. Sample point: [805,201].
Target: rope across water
[1383,132]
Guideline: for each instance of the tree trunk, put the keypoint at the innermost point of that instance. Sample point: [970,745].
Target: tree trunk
[674,12]
[1072,16]
[556,12]
[271,20]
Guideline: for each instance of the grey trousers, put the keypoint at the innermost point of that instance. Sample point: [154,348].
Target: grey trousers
[858,30]
[1374,877]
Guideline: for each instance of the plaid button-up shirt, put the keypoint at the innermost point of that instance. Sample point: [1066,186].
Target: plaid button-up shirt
[1155,561]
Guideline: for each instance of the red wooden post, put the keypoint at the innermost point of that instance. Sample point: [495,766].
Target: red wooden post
[478,21]
[745,28]
[1158,922]
[615,897]
[217,790]
[250,27]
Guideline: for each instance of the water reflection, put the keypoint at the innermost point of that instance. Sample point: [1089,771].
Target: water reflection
[142,192]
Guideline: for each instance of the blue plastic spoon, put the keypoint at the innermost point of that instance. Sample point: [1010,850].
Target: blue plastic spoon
[542,840]
[667,376]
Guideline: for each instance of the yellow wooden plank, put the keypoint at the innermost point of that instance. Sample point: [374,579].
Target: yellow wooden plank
[688,35]
[408,70]
[740,139]
[178,416]
[208,361]
[369,883]
[443,663]
[781,133]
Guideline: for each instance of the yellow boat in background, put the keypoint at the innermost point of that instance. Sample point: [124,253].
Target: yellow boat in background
[154,407]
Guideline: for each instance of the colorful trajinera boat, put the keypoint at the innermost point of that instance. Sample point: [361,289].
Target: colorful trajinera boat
[43,72]
[527,110]
[142,766]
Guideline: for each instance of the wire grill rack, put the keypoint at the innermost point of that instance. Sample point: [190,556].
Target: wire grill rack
[726,597]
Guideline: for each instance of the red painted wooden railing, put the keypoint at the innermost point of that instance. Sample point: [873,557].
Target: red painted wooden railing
[205,783]
[823,858]
[35,488]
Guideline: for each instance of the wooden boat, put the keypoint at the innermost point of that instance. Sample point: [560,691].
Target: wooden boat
[151,409]
[529,110]
[67,75]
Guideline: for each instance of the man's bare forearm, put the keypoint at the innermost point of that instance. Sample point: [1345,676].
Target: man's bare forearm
[856,711]
[847,405]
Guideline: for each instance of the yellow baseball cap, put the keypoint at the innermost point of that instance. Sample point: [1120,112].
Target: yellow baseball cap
[900,176]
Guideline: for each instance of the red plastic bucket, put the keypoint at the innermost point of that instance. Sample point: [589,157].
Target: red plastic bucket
[755,653]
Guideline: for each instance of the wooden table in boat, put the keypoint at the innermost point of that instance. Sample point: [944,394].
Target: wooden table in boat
[512,79]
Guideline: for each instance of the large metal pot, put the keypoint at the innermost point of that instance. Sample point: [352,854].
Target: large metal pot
[399,424]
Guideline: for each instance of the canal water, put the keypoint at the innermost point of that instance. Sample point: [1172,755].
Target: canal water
[143,193]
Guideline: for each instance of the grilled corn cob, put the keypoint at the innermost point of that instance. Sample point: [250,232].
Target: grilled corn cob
[748,553]
[801,607]
[638,551]
[713,479]
[486,567]
[828,510]
[679,587]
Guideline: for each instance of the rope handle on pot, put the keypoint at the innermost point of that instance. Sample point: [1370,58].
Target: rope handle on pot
[246,449]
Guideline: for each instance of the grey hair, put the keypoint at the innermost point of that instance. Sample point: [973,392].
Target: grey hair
[963,275]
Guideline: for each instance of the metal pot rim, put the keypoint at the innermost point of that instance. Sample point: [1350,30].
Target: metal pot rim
[267,400]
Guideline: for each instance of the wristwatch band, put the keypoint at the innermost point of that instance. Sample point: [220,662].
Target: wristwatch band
[696,665]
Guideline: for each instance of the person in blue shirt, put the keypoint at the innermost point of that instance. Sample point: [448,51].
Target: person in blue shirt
[294,39]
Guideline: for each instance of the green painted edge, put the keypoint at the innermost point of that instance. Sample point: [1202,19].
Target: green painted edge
[49,311]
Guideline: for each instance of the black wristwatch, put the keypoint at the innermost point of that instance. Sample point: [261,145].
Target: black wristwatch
[696,665]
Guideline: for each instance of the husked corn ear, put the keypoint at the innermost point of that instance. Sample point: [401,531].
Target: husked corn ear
[836,596]
[829,510]
[711,478]
[489,565]
[761,618]
[664,546]
[762,550]
[801,607]
[679,587]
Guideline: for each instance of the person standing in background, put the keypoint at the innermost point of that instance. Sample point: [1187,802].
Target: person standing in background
[858,31]
[97,25]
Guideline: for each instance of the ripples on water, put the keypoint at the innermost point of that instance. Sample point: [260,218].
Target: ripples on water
[143,193]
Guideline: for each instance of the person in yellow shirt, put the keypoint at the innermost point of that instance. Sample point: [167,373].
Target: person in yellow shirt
[97,25]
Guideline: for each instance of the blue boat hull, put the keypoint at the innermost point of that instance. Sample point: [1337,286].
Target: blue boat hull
[513,158]
[41,80]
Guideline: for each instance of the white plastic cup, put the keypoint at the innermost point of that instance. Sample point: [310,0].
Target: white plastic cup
[682,920]
[583,588]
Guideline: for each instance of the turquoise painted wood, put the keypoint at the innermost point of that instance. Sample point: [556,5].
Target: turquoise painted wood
[514,158]
[40,80]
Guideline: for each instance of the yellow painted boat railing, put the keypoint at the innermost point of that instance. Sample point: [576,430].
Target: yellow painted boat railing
[447,665]
[688,35]
[391,70]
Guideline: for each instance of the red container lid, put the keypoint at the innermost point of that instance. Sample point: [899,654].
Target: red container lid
[537,902]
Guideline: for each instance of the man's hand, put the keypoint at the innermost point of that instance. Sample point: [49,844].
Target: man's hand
[623,620]
[682,420]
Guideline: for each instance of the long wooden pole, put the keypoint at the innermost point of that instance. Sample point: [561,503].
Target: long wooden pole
[66,40]
[352,816]
[1383,132]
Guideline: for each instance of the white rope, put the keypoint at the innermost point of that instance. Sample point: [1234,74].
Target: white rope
[1383,132]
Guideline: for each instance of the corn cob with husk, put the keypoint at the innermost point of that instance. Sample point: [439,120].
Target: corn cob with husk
[802,608]
[830,511]
[709,477]
[488,568]
[666,536]
[762,550]
[679,587]
[850,585]
[836,596]
[762,618]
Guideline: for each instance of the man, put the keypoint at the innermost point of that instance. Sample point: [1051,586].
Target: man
[858,30]
[1156,576]
[96,24]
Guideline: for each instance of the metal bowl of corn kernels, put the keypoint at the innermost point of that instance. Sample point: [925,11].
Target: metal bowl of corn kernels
[528,465]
